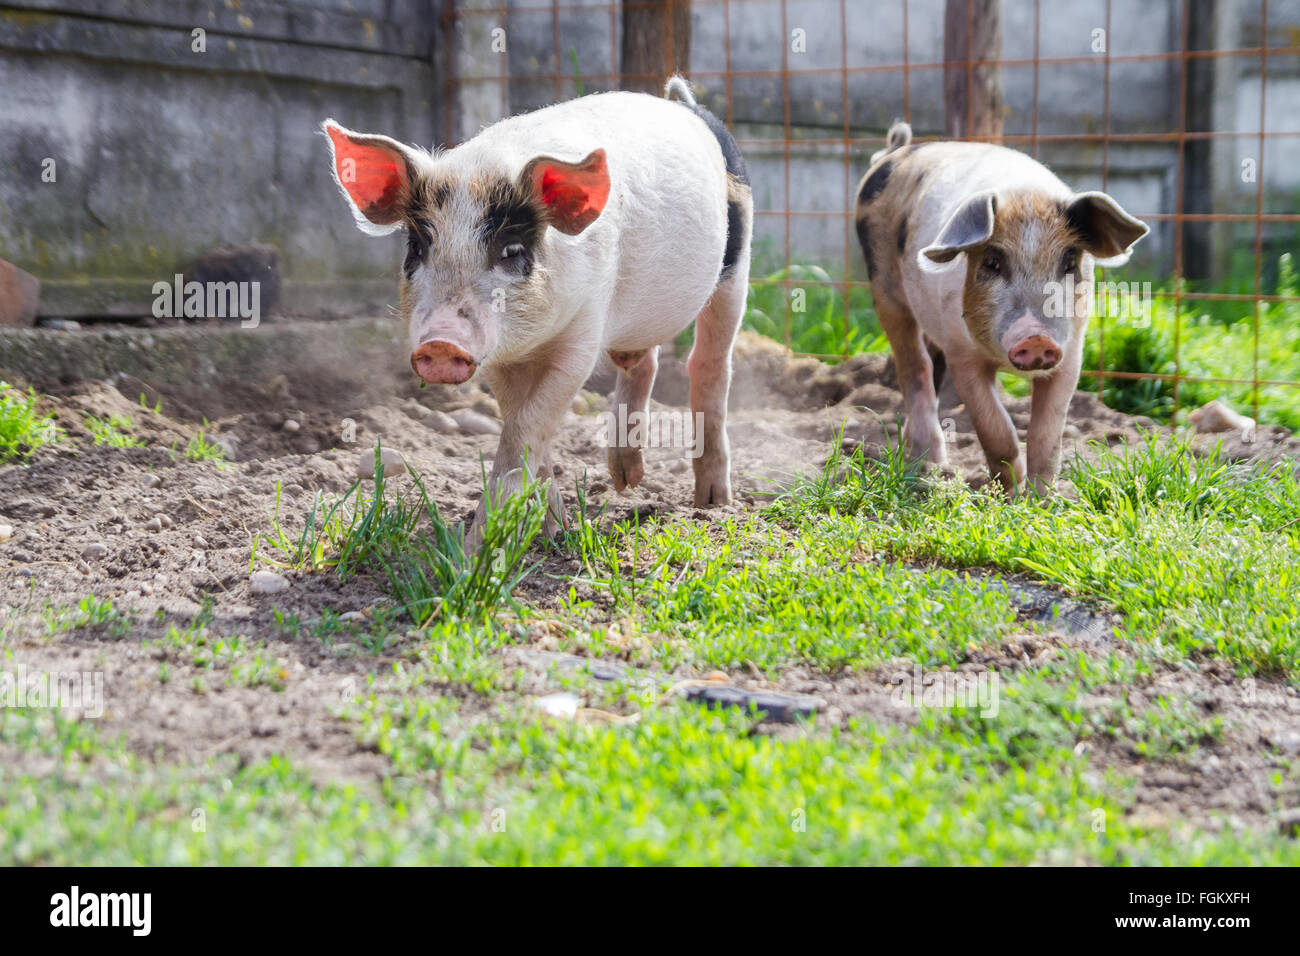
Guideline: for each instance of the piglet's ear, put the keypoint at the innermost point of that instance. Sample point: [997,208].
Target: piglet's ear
[1108,232]
[573,194]
[969,226]
[374,173]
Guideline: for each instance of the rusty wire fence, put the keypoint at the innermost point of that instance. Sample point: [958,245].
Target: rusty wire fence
[551,50]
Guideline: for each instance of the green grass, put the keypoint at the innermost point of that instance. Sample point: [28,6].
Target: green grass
[113,431]
[682,785]
[22,428]
[1198,552]
[400,538]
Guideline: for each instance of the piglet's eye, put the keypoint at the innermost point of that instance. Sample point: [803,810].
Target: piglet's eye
[1070,262]
[992,261]
[513,250]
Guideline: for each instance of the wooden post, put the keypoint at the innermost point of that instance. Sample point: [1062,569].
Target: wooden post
[656,43]
[972,95]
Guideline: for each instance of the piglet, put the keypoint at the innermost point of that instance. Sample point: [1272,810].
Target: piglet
[982,260]
[605,224]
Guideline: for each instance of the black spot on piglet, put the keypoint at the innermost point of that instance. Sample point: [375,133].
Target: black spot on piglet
[864,238]
[875,183]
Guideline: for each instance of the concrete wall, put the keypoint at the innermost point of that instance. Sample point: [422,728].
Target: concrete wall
[161,153]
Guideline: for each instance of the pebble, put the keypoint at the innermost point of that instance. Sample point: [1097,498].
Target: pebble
[394,463]
[200,542]
[441,422]
[6,532]
[267,582]
[154,524]
[95,551]
[476,423]
[350,616]
[83,567]
[229,445]
[151,481]
[487,405]
[1288,821]
[291,426]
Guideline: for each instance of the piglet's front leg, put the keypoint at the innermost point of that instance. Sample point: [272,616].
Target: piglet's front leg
[1048,408]
[977,385]
[533,397]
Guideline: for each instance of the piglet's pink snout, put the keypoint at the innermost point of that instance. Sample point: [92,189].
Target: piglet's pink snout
[442,363]
[1034,353]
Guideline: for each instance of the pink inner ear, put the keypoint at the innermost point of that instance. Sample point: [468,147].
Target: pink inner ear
[374,176]
[575,195]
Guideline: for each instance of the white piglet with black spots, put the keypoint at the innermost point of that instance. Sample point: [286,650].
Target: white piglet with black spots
[604,224]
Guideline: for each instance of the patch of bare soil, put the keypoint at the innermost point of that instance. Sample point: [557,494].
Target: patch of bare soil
[168,540]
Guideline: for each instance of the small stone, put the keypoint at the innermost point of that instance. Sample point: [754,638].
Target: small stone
[352,616]
[290,426]
[22,556]
[229,445]
[6,532]
[1288,821]
[441,422]
[154,524]
[151,481]
[267,582]
[60,325]
[200,542]
[83,567]
[394,463]
[1217,417]
[95,551]
[487,405]
[476,423]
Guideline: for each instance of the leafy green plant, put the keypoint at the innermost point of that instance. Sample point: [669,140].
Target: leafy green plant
[22,428]
[201,449]
[112,431]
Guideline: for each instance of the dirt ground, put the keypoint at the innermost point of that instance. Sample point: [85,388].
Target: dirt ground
[159,535]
